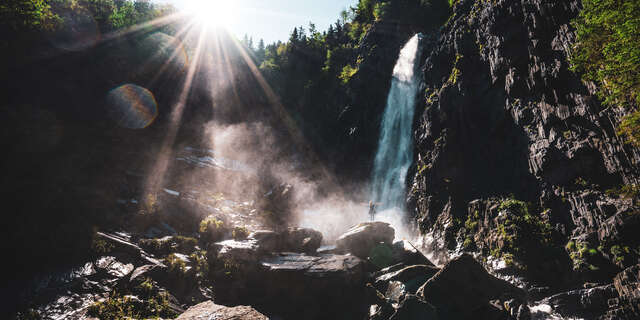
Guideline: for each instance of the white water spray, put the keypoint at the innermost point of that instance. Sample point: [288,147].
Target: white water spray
[395,149]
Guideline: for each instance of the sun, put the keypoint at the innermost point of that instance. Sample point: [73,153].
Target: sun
[218,13]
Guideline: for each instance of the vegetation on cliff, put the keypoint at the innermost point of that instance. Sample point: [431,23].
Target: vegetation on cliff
[606,52]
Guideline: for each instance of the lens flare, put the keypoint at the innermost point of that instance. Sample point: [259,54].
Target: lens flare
[132,106]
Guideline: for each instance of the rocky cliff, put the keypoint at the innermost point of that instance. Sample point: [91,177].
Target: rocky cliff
[516,158]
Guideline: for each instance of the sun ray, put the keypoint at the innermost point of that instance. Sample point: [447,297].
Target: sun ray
[176,52]
[159,170]
[293,130]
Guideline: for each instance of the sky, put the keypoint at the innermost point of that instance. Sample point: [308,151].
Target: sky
[272,20]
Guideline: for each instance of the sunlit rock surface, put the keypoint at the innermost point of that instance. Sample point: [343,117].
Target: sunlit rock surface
[210,310]
[364,237]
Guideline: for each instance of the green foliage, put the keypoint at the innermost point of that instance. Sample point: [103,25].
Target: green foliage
[521,233]
[455,71]
[347,73]
[628,191]
[629,128]
[606,51]
[212,229]
[579,253]
[240,233]
[27,15]
[200,263]
[118,307]
[100,246]
[175,265]
[167,245]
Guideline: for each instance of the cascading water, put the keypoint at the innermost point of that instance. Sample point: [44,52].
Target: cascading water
[395,149]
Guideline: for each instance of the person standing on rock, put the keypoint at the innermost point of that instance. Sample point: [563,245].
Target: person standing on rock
[372,210]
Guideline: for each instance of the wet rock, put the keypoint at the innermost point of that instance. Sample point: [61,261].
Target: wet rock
[583,303]
[210,310]
[361,239]
[112,267]
[412,277]
[463,287]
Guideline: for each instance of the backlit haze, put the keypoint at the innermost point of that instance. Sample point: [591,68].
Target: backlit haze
[270,20]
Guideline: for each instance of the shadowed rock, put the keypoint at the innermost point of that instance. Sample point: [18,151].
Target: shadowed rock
[464,288]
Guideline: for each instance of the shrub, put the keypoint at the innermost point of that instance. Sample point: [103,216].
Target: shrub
[212,229]
[176,265]
[607,52]
[240,233]
[118,307]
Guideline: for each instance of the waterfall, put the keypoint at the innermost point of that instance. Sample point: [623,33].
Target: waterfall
[395,149]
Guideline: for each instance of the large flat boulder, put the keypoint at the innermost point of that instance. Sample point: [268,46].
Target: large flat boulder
[360,240]
[463,288]
[297,285]
[210,310]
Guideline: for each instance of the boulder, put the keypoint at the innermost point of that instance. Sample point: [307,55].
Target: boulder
[464,288]
[301,240]
[267,240]
[245,252]
[405,252]
[298,286]
[210,310]
[411,278]
[360,240]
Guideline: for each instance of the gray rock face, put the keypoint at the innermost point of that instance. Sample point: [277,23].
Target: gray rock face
[503,115]
[210,310]
[463,288]
[627,306]
[361,239]
[584,303]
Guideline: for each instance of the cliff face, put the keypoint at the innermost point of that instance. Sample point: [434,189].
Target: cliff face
[515,153]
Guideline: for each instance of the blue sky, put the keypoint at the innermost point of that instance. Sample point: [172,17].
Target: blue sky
[273,20]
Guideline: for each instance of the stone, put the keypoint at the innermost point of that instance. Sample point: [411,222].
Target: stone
[464,287]
[364,237]
[297,285]
[242,252]
[412,277]
[301,240]
[583,303]
[405,252]
[267,240]
[210,310]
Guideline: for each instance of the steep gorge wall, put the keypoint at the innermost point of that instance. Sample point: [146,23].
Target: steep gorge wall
[503,117]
